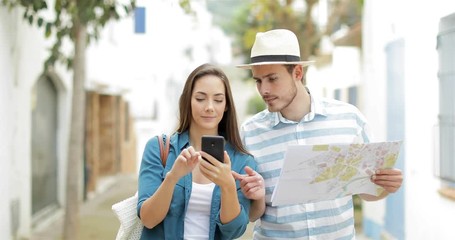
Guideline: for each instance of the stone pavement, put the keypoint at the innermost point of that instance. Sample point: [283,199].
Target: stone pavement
[97,220]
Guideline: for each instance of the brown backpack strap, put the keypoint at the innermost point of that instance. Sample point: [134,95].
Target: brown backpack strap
[164,150]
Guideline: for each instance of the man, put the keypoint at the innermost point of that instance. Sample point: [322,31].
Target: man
[294,116]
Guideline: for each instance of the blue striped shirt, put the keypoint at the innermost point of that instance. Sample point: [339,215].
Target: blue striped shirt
[267,135]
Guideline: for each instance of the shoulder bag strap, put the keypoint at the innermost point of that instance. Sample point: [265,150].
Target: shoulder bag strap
[164,150]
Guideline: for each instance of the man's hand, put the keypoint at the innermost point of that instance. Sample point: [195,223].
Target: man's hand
[252,184]
[389,179]
[253,187]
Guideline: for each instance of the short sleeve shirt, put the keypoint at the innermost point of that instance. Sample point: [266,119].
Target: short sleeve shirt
[267,134]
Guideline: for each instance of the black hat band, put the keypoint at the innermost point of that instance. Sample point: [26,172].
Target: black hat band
[275,58]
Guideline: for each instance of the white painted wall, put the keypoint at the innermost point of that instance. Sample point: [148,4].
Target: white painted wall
[152,67]
[421,73]
[6,132]
[374,84]
[25,50]
[427,214]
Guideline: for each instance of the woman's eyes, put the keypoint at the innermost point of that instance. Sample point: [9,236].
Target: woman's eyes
[216,100]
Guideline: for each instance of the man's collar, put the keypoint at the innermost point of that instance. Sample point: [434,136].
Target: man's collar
[316,108]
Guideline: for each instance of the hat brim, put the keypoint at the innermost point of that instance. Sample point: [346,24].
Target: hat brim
[248,66]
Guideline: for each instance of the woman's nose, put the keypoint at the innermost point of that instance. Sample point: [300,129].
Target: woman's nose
[209,107]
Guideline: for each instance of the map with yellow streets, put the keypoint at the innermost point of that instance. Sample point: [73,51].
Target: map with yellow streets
[321,172]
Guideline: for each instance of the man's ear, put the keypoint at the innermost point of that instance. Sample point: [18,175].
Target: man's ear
[298,72]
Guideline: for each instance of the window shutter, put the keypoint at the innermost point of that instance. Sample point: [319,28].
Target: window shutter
[446,75]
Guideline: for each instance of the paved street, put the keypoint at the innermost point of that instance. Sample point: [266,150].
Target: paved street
[98,221]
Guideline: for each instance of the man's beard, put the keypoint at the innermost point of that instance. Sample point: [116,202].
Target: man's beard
[287,101]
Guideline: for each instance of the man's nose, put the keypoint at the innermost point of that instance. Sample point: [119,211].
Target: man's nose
[263,89]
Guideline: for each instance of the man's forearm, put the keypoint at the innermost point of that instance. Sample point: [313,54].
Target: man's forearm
[257,209]
[368,197]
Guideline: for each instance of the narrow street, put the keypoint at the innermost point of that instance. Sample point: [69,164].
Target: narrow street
[97,220]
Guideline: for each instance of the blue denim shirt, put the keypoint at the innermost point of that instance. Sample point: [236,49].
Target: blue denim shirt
[151,176]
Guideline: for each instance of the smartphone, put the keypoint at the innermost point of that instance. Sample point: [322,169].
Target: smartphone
[213,145]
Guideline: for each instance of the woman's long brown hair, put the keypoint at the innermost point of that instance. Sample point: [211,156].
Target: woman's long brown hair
[228,126]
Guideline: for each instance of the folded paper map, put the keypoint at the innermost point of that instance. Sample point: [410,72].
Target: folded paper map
[313,173]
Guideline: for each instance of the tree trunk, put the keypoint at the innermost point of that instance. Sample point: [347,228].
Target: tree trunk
[75,153]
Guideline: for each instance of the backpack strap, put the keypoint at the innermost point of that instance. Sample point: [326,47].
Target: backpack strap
[164,150]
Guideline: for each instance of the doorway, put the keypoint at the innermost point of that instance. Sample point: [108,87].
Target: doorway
[44,159]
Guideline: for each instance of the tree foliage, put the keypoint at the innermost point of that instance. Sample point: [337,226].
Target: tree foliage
[262,15]
[255,16]
[246,18]
[93,14]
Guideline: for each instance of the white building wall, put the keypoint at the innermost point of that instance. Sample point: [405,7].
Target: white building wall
[151,68]
[24,50]
[427,214]
[6,132]
[374,87]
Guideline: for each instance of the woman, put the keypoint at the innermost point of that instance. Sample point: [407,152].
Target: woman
[191,198]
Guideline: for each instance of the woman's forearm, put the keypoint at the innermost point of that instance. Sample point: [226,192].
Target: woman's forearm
[230,206]
[155,208]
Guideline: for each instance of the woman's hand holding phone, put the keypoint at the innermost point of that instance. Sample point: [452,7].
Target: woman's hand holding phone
[216,171]
[217,164]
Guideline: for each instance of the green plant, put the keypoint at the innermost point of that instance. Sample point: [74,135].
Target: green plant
[255,105]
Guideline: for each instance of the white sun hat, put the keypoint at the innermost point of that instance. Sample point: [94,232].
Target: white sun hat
[278,46]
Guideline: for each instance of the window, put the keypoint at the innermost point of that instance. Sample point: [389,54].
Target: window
[446,74]
[352,95]
[337,94]
[139,20]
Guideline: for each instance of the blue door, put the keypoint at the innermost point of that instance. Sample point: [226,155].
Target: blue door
[394,214]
